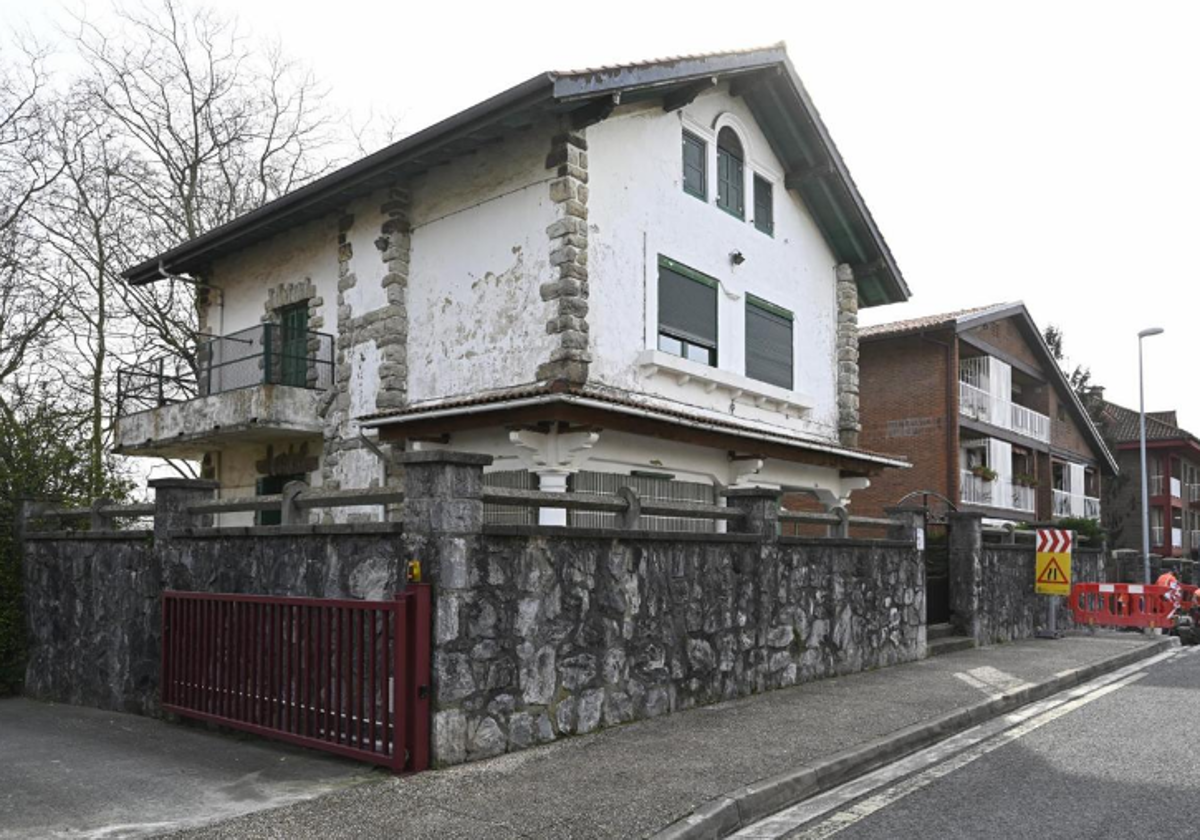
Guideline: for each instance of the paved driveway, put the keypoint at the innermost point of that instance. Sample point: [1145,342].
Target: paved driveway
[67,771]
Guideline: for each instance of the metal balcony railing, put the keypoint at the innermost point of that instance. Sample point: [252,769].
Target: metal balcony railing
[264,355]
[1066,503]
[1194,541]
[1156,486]
[1062,503]
[978,404]
[1194,492]
[1156,535]
[1091,507]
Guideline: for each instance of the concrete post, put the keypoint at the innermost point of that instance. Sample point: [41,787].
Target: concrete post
[289,512]
[966,564]
[98,522]
[760,509]
[173,497]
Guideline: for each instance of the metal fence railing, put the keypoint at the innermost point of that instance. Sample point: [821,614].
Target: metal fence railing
[345,676]
[268,354]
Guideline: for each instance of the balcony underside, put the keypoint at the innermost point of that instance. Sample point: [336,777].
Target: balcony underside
[263,413]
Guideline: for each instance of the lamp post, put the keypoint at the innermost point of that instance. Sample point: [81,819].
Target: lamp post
[1145,481]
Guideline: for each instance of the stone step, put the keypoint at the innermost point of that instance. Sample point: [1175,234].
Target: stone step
[938,631]
[950,644]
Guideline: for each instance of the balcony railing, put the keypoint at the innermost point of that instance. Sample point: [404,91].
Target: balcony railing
[1156,486]
[1156,535]
[1194,539]
[978,404]
[998,493]
[264,355]
[1176,538]
[1193,492]
[1066,503]
[1176,488]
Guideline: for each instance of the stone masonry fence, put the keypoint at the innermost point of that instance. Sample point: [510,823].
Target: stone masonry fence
[539,632]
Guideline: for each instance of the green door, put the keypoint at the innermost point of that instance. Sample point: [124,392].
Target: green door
[294,345]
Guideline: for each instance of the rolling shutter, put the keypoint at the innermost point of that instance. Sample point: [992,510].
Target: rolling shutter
[769,350]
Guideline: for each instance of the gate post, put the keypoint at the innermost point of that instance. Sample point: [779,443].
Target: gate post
[172,498]
[443,519]
[760,511]
[966,569]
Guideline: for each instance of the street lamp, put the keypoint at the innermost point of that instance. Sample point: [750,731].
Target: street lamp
[1145,483]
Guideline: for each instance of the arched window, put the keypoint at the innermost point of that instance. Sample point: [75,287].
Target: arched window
[731,182]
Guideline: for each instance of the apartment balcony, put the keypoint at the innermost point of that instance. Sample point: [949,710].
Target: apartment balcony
[978,404]
[260,384]
[1156,535]
[1194,539]
[1176,488]
[997,493]
[1193,492]
[1155,485]
[1075,505]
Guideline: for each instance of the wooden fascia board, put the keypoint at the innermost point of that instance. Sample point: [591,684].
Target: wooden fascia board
[593,417]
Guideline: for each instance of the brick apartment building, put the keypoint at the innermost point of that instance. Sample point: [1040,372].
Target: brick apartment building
[1173,467]
[978,404]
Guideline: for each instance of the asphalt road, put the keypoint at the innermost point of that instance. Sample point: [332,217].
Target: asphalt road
[1122,761]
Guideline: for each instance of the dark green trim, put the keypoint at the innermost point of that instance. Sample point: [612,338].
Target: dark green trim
[703,144]
[689,273]
[767,306]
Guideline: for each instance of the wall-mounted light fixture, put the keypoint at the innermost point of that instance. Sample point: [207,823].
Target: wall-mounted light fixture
[737,257]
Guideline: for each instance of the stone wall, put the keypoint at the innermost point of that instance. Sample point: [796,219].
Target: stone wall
[545,636]
[1008,607]
[992,596]
[94,621]
[94,601]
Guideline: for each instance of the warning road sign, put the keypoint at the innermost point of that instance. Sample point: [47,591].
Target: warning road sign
[1052,575]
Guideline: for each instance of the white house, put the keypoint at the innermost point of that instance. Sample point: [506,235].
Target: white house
[643,274]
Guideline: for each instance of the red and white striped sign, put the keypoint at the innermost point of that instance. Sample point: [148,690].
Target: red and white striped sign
[1053,541]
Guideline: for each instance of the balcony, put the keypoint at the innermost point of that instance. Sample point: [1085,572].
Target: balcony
[1075,505]
[1193,492]
[1156,535]
[260,384]
[1156,486]
[998,493]
[1194,539]
[1176,538]
[978,404]
[1176,488]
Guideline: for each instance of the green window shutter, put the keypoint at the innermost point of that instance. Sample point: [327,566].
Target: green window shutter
[764,207]
[695,166]
[687,305]
[730,174]
[769,349]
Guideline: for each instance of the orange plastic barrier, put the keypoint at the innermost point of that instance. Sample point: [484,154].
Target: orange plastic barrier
[1122,605]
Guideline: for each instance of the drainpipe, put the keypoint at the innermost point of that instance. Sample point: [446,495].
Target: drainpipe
[951,414]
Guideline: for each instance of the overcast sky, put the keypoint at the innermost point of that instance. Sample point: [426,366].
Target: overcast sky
[1036,151]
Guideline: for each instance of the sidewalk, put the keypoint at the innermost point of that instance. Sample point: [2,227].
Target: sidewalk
[639,779]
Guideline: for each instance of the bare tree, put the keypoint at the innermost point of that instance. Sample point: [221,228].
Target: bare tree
[28,167]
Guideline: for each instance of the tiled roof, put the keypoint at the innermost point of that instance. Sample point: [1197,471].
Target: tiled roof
[928,322]
[670,59]
[1123,425]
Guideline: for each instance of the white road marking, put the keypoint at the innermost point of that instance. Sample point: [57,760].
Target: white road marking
[991,681]
[939,760]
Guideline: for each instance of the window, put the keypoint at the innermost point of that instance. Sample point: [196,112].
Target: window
[731,184]
[768,343]
[764,208]
[687,313]
[695,166]
[271,485]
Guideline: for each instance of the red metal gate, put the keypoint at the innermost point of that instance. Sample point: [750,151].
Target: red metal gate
[349,677]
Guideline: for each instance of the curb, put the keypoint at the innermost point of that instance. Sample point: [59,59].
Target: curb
[726,814]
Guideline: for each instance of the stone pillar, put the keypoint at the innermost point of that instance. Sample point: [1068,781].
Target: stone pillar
[908,524]
[760,507]
[847,356]
[966,563]
[443,517]
[173,497]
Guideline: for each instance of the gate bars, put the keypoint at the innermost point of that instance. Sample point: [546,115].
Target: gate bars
[348,677]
